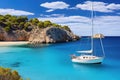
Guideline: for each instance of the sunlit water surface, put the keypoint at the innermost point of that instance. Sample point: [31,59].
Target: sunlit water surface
[53,62]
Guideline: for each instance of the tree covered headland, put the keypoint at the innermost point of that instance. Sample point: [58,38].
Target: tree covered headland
[10,23]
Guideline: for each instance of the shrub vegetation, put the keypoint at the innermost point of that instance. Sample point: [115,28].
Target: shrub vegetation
[8,74]
[9,23]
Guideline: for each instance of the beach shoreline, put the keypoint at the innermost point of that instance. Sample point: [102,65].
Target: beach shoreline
[13,43]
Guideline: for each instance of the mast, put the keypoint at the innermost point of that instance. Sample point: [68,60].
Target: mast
[92,39]
[92,24]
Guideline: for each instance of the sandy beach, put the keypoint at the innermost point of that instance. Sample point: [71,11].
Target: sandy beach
[13,43]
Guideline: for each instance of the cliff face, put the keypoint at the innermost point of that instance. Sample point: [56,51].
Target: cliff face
[51,35]
[37,35]
[18,35]
[1,34]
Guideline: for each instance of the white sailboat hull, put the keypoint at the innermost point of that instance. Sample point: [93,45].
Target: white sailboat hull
[87,59]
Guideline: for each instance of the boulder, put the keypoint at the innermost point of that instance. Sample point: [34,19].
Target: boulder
[98,36]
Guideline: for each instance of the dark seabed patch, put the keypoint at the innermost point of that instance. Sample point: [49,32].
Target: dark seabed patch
[16,64]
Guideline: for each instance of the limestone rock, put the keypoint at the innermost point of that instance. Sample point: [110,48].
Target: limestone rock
[2,34]
[37,35]
[51,35]
[98,36]
[18,35]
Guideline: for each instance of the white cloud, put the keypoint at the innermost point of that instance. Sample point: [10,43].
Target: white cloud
[55,5]
[52,15]
[14,12]
[69,19]
[108,25]
[99,6]
[50,10]
[113,6]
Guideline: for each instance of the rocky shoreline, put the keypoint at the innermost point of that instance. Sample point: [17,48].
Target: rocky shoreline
[51,35]
[46,35]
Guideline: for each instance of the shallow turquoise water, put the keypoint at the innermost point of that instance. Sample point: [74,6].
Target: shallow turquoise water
[53,62]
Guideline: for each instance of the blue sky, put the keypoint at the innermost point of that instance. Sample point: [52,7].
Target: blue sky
[74,13]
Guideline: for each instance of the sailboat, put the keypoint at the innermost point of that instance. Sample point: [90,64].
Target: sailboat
[87,56]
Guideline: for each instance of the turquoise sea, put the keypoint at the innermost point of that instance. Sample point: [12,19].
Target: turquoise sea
[53,62]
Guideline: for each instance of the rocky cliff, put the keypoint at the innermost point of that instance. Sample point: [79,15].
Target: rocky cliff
[20,28]
[51,35]
[18,35]
[37,35]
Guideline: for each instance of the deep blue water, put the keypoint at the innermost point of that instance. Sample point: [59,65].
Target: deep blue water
[53,62]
